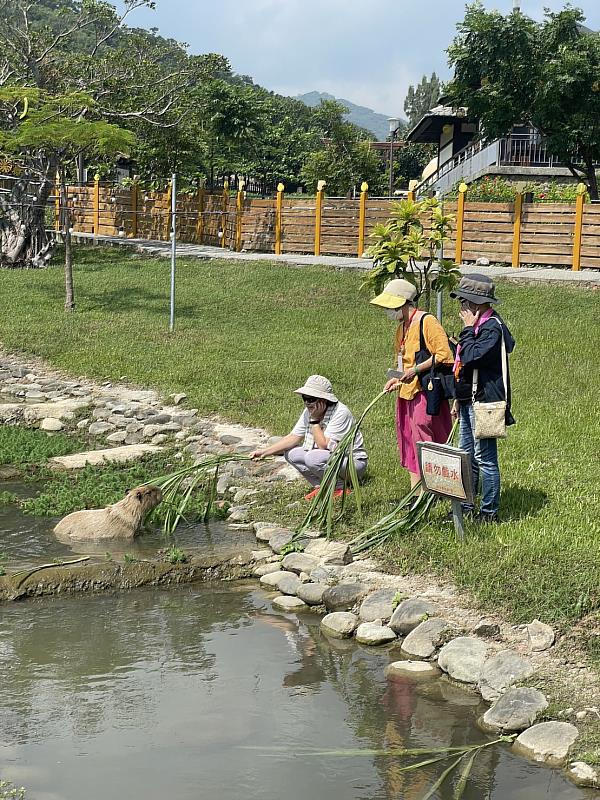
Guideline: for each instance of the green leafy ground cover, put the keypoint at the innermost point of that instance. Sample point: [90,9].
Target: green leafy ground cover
[248,333]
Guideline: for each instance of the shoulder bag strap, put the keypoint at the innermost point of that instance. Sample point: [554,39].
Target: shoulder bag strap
[504,366]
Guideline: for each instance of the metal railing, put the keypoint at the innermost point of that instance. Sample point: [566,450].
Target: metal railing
[515,150]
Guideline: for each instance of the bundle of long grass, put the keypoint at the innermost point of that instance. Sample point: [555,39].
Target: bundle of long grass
[410,513]
[320,514]
[463,756]
[179,488]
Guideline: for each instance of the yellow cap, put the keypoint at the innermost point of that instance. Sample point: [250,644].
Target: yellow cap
[395,294]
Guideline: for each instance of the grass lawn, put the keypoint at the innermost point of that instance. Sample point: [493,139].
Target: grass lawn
[247,333]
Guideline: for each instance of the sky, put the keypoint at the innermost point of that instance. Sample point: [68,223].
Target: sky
[365,51]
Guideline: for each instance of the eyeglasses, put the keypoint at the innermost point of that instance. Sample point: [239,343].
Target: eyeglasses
[307,399]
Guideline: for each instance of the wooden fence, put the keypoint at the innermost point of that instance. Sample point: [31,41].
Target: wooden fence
[553,234]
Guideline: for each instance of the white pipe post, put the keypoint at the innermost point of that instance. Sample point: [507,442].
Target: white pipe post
[173,248]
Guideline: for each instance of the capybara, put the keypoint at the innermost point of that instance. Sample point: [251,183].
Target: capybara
[122,520]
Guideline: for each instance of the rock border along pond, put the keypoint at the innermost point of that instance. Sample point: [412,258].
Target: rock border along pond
[439,633]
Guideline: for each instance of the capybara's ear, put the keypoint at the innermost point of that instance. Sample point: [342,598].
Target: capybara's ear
[127,492]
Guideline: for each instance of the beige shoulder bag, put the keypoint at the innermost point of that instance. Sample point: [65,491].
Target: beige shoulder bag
[490,418]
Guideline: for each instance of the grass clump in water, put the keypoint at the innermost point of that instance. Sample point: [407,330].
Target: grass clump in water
[100,486]
[8,499]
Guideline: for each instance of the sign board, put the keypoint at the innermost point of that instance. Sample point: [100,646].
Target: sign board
[446,471]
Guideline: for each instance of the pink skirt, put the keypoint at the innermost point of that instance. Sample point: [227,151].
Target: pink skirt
[414,424]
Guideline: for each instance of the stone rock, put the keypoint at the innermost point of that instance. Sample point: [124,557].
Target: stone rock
[374,633]
[117,420]
[501,671]
[264,530]
[223,483]
[227,438]
[415,670]
[35,395]
[584,775]
[150,430]
[159,419]
[311,593]
[100,428]
[289,583]
[134,427]
[515,710]
[343,596]
[329,552]
[118,437]
[299,562]
[271,579]
[83,423]
[339,624]
[547,742]
[59,409]
[94,457]
[266,569]
[50,424]
[160,438]
[260,555]
[463,659]
[411,613]
[487,629]
[243,494]
[100,413]
[377,605]
[286,603]
[329,575]
[280,540]
[238,514]
[423,641]
[178,398]
[539,636]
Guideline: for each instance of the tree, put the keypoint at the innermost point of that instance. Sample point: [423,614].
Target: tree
[99,71]
[513,70]
[345,158]
[407,246]
[420,99]
[51,133]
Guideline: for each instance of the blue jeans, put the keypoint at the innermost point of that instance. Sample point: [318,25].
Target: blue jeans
[484,462]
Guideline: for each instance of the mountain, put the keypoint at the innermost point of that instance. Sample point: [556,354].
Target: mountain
[359,115]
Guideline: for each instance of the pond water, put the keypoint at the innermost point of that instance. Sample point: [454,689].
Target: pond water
[26,540]
[207,692]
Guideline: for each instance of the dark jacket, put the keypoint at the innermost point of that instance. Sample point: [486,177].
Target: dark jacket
[483,351]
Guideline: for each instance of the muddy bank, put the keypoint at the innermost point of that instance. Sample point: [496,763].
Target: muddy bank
[107,576]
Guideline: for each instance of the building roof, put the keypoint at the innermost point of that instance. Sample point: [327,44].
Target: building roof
[429,127]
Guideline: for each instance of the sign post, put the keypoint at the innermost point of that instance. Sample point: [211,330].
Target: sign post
[447,472]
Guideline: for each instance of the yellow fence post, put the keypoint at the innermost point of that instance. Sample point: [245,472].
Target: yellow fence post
[200,217]
[460,222]
[96,204]
[410,196]
[224,207]
[239,210]
[318,214]
[362,217]
[278,215]
[581,189]
[516,248]
[57,203]
[134,209]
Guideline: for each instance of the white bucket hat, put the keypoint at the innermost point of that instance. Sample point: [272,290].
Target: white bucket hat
[318,386]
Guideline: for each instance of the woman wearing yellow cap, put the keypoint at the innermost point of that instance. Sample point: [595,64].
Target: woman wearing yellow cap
[415,329]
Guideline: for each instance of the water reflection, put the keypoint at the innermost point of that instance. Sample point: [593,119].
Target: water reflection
[208,692]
